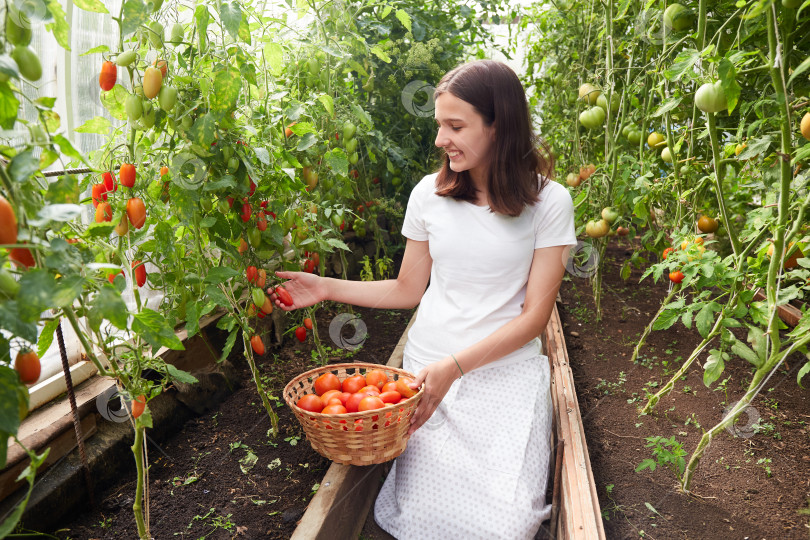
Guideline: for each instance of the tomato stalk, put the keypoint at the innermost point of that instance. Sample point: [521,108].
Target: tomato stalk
[667,388]
[718,184]
[137,506]
[648,329]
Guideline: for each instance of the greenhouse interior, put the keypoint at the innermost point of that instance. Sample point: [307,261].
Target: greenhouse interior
[232,305]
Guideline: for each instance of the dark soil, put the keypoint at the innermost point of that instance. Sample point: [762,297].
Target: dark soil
[754,486]
[197,486]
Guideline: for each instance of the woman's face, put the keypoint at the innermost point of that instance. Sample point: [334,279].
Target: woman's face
[463,135]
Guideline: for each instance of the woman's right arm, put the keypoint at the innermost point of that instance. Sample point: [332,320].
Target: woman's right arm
[404,292]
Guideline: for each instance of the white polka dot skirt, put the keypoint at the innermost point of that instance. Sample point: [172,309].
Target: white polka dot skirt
[478,468]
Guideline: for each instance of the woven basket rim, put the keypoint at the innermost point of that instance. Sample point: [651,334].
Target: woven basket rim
[298,378]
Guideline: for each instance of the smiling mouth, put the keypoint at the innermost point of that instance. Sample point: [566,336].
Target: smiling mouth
[453,154]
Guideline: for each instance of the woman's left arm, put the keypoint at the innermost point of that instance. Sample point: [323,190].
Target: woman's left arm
[545,277]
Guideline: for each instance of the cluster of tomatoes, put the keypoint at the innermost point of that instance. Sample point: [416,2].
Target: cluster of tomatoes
[356,393]
[694,247]
[135,209]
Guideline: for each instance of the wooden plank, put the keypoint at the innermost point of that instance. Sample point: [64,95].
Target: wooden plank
[60,446]
[341,505]
[789,314]
[580,514]
[54,386]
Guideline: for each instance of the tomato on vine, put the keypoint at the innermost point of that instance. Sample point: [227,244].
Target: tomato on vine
[99,194]
[257,344]
[247,210]
[676,276]
[108,179]
[136,212]
[127,175]
[138,406]
[667,251]
[139,271]
[28,366]
[301,334]
[103,212]
[108,76]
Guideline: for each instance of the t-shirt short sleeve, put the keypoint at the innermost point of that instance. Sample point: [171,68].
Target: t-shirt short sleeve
[413,225]
[554,218]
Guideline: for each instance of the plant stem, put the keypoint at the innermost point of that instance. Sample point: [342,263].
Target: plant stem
[137,506]
[648,329]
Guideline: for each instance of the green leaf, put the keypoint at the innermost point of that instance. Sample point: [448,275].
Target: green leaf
[154,328]
[729,84]
[404,18]
[67,148]
[180,376]
[337,243]
[714,366]
[666,106]
[202,132]
[97,124]
[108,305]
[10,320]
[328,104]
[705,318]
[381,54]
[226,350]
[231,16]
[228,83]
[683,63]
[262,154]
[274,56]
[100,229]
[755,147]
[646,464]
[666,319]
[9,402]
[744,351]
[801,68]
[113,100]
[37,291]
[9,105]
[134,16]
[46,337]
[59,26]
[94,6]
[337,161]
[215,294]
[220,274]
[802,372]
[95,50]
[23,166]
[302,128]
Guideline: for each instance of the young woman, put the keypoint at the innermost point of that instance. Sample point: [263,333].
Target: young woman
[492,234]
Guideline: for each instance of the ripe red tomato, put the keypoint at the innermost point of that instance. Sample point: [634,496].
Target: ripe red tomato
[108,179]
[139,271]
[334,409]
[370,402]
[8,222]
[28,366]
[99,194]
[246,212]
[354,401]
[676,276]
[344,397]
[377,378]
[308,323]
[390,397]
[162,66]
[108,75]
[251,273]
[127,174]
[103,212]
[326,382]
[301,333]
[252,188]
[310,403]
[404,389]
[353,384]
[136,212]
[138,406]
[23,256]
[261,222]
[267,307]
[261,278]
[284,296]
[370,389]
[309,266]
[257,344]
[667,251]
[111,277]
[329,395]
[390,386]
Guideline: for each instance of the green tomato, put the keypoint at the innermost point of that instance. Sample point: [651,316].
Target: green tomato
[592,118]
[156,5]
[610,214]
[589,93]
[148,117]
[626,130]
[257,295]
[666,155]
[656,140]
[354,158]
[167,97]
[206,204]
[125,58]
[18,27]
[792,4]
[254,237]
[223,206]
[351,145]
[176,34]
[187,122]
[348,130]
[711,98]
[337,219]
[233,164]
[9,287]
[134,107]
[289,219]
[634,136]
[27,63]
[396,181]
[615,100]
[678,17]
[156,34]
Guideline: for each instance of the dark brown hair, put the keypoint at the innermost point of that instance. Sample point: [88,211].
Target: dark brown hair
[495,92]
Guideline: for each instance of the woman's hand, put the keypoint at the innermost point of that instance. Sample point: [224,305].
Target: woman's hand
[437,377]
[306,289]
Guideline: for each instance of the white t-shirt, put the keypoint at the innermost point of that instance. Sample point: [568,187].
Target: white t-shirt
[481,263]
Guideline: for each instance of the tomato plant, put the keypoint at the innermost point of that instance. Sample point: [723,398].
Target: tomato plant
[27,366]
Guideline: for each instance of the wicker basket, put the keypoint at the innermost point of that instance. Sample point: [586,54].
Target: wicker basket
[360,438]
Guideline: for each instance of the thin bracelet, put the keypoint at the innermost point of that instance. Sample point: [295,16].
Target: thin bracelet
[459,367]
